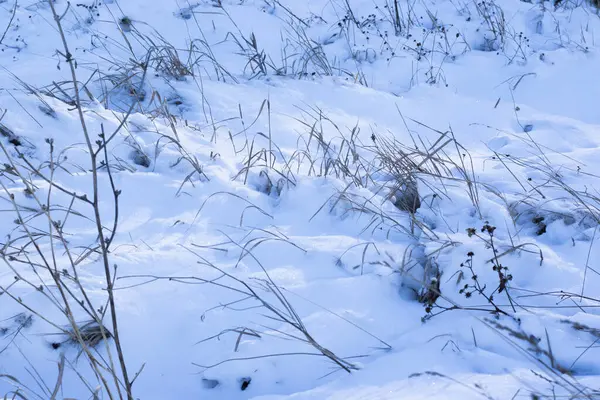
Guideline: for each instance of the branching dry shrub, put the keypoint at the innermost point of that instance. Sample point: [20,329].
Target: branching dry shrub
[470,283]
[30,252]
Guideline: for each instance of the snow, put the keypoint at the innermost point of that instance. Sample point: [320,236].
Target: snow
[233,179]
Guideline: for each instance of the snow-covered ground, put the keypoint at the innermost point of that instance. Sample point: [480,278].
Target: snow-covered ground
[258,152]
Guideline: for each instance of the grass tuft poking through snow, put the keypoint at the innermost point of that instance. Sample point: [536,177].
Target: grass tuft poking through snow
[277,199]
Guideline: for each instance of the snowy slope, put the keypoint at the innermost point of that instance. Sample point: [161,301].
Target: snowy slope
[256,250]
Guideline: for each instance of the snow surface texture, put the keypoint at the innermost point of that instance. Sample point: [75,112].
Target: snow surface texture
[270,157]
